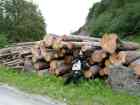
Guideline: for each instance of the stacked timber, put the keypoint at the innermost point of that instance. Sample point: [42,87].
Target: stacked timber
[56,53]
[17,56]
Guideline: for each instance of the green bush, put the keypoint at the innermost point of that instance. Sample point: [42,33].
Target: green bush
[3,40]
[21,21]
[118,16]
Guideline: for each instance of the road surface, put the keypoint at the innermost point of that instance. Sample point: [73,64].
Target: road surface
[12,96]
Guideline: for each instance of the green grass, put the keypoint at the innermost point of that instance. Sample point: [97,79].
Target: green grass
[86,93]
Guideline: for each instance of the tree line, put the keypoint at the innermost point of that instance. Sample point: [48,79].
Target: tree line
[119,16]
[20,21]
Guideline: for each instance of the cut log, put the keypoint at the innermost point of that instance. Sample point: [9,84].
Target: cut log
[75,52]
[98,56]
[13,62]
[50,39]
[54,64]
[129,46]
[104,72]
[115,59]
[107,62]
[25,53]
[109,43]
[57,44]
[41,65]
[23,44]
[101,73]
[60,71]
[50,56]
[79,38]
[36,52]
[124,57]
[90,61]
[61,52]
[68,59]
[90,48]
[92,71]
[135,65]
[70,45]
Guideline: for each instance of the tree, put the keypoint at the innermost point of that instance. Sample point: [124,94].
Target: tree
[21,20]
[117,16]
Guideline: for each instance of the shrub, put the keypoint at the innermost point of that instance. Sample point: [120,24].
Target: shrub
[3,40]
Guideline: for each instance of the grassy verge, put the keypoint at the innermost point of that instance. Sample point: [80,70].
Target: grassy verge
[87,93]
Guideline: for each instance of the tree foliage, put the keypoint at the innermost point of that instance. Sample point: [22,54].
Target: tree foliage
[21,20]
[119,16]
[3,40]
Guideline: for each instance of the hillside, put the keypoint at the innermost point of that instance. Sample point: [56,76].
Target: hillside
[119,16]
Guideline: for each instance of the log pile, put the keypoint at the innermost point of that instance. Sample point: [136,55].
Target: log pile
[56,53]
[17,56]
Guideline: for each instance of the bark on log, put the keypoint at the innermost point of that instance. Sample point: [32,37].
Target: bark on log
[135,65]
[101,73]
[50,56]
[13,62]
[70,45]
[79,38]
[91,62]
[110,43]
[92,71]
[90,48]
[104,72]
[60,71]
[115,59]
[61,52]
[129,46]
[36,52]
[68,59]
[54,64]
[23,44]
[107,62]
[124,57]
[49,40]
[41,65]
[98,56]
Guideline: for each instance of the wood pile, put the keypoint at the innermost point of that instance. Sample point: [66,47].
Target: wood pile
[56,53]
[17,56]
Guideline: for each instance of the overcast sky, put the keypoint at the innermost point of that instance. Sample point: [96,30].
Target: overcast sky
[64,16]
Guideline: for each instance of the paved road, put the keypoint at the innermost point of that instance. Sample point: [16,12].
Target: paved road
[12,96]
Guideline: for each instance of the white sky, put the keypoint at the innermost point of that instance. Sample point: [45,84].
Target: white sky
[64,16]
